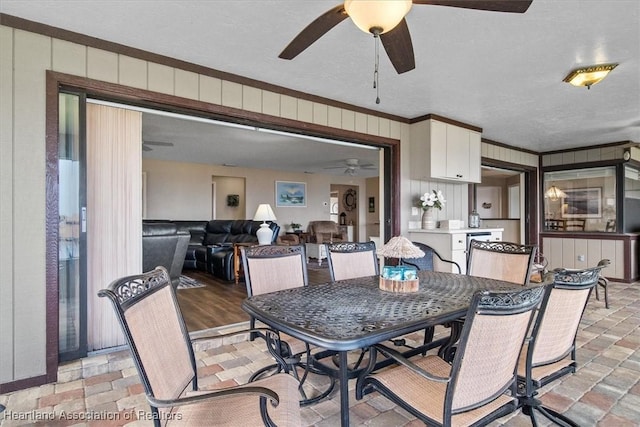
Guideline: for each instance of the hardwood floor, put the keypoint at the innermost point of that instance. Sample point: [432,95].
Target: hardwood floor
[218,303]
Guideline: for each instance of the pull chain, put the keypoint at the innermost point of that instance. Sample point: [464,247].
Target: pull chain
[376,85]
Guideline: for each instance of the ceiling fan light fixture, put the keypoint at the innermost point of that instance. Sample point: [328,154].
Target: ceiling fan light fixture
[587,76]
[380,16]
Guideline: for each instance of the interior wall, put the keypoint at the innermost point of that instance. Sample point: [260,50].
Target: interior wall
[225,186]
[194,182]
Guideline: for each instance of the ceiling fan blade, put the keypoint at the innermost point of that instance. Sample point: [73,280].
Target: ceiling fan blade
[314,31]
[511,6]
[397,43]
[335,167]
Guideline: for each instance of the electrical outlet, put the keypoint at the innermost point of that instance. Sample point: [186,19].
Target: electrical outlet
[581,258]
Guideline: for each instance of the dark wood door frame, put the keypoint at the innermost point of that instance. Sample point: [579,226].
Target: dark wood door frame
[144,98]
[530,214]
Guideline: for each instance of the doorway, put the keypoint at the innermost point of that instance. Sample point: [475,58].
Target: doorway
[500,199]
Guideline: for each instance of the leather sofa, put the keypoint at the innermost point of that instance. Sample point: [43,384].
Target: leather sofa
[211,244]
[163,244]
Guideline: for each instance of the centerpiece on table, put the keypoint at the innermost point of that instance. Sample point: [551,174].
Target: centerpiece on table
[428,202]
[295,227]
[400,278]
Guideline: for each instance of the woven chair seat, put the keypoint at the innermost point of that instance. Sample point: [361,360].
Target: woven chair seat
[540,372]
[241,410]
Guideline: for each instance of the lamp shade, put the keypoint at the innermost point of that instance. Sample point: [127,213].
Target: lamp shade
[554,193]
[264,213]
[400,247]
[378,15]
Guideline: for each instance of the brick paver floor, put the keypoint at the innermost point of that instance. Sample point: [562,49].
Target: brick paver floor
[104,389]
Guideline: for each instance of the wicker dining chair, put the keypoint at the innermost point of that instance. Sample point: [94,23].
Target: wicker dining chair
[511,262]
[480,384]
[274,268]
[550,352]
[350,260]
[148,311]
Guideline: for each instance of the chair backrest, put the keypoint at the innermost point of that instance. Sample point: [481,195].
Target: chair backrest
[352,259]
[554,333]
[148,311]
[506,261]
[575,224]
[428,261]
[610,225]
[485,361]
[274,268]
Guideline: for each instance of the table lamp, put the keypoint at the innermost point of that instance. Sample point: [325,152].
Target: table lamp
[264,213]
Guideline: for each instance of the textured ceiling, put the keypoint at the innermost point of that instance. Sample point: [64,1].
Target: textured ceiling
[498,71]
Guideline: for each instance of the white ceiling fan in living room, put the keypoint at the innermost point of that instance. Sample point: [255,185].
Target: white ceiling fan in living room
[146,145]
[352,166]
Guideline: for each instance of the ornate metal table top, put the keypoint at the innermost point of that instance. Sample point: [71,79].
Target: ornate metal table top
[355,313]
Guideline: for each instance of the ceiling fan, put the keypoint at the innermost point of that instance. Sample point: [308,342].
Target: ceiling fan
[385,19]
[352,166]
[146,145]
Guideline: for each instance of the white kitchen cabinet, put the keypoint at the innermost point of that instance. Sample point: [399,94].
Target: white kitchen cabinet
[443,151]
[451,244]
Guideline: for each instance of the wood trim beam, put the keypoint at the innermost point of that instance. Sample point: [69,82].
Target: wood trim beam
[83,39]
[445,120]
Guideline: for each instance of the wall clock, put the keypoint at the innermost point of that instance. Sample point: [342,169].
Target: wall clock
[349,199]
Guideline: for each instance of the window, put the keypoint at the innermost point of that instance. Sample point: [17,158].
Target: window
[631,199]
[580,200]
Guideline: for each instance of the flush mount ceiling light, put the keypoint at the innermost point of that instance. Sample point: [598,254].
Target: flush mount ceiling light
[587,76]
[554,193]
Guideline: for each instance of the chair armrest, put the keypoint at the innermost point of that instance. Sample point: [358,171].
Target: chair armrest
[262,392]
[212,334]
[398,357]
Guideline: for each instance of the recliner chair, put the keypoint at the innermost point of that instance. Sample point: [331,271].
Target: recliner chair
[163,245]
[325,232]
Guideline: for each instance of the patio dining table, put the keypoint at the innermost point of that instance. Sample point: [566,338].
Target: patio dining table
[354,314]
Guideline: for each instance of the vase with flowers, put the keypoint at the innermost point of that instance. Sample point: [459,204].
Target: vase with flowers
[429,201]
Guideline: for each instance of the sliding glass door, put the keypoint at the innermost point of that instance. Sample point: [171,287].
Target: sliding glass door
[72,212]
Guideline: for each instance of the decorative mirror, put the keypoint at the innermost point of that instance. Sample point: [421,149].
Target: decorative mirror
[349,199]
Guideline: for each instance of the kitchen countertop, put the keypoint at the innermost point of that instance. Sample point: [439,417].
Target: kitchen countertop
[459,231]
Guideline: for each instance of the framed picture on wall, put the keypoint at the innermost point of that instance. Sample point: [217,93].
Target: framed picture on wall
[372,204]
[582,203]
[291,194]
[233,200]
